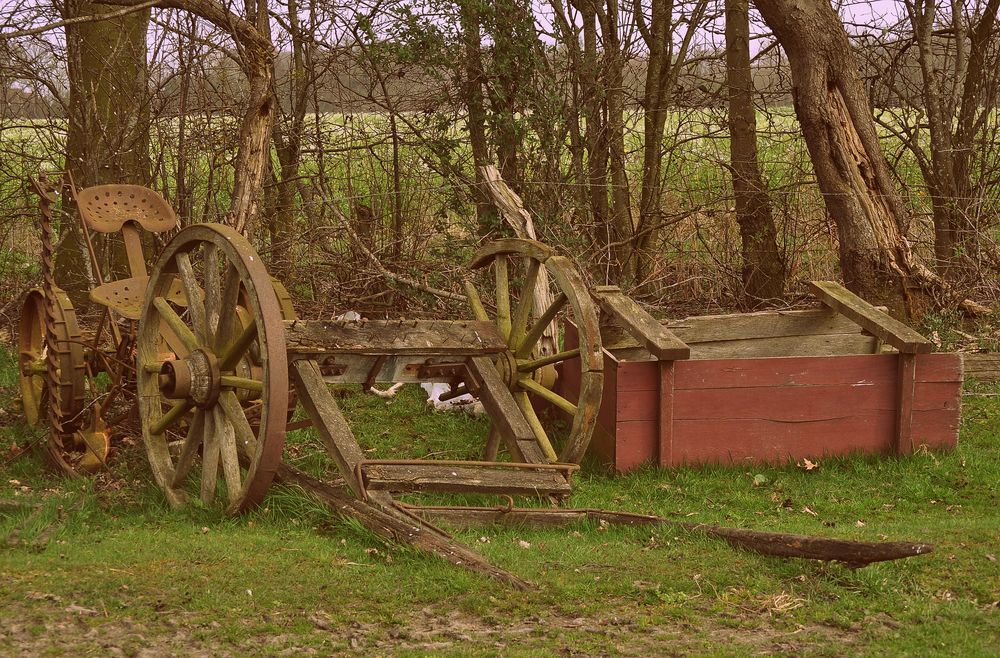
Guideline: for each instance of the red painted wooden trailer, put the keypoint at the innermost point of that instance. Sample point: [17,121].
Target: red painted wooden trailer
[774,386]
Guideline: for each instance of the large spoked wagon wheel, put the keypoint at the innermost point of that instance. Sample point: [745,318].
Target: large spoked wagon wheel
[235,369]
[523,317]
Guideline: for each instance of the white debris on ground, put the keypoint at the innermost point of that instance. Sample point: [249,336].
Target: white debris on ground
[463,403]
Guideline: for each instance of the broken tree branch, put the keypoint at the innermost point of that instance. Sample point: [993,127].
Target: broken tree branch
[852,553]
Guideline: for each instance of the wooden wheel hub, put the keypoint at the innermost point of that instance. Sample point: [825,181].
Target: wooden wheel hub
[196,377]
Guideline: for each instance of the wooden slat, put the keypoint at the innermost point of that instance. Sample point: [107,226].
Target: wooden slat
[659,340]
[982,367]
[390,337]
[758,348]
[665,420]
[761,324]
[892,331]
[328,420]
[858,370]
[451,478]
[504,412]
[904,403]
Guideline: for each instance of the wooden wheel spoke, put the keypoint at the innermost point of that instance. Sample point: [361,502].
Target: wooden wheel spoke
[538,328]
[209,459]
[524,404]
[176,324]
[519,323]
[535,364]
[194,295]
[245,440]
[230,355]
[229,454]
[195,435]
[559,401]
[213,291]
[175,413]
[242,382]
[502,274]
[229,299]
[475,302]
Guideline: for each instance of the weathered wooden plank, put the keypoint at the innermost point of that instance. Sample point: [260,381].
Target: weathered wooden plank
[731,441]
[464,478]
[338,439]
[761,324]
[754,348]
[982,367]
[504,412]
[638,405]
[637,443]
[905,389]
[857,370]
[665,420]
[936,428]
[940,367]
[744,326]
[310,339]
[784,404]
[655,337]
[872,320]
[393,522]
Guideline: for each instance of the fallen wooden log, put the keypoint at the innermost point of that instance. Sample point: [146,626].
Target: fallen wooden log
[854,554]
[395,522]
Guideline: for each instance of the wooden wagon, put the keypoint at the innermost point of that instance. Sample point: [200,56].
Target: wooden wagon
[774,386]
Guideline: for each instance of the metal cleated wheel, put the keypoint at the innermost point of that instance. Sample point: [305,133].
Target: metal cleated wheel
[525,319]
[230,380]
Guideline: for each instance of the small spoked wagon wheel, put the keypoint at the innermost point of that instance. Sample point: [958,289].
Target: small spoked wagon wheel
[31,356]
[525,312]
[229,390]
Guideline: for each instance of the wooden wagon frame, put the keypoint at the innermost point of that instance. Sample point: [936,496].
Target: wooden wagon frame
[773,386]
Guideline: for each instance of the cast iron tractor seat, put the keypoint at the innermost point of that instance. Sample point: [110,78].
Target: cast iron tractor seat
[112,208]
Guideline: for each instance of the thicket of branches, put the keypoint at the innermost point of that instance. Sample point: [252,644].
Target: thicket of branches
[656,141]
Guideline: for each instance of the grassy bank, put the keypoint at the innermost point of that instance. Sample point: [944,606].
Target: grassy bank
[122,573]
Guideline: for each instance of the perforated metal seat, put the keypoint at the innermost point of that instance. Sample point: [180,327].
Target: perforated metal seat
[125,295]
[113,208]
[106,208]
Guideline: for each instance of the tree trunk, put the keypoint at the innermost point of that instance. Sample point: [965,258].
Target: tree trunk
[836,119]
[472,88]
[763,273]
[108,129]
[256,60]
[662,71]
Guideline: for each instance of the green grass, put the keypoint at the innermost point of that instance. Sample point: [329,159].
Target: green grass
[124,571]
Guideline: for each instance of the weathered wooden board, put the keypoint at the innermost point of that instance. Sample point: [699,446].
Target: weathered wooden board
[811,332]
[642,326]
[982,367]
[463,478]
[314,339]
[874,321]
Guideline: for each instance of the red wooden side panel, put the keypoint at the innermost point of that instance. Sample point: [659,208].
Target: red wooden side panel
[785,409]
[937,406]
[771,410]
